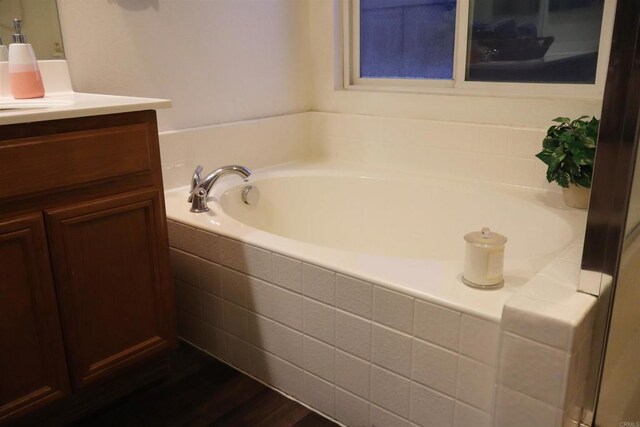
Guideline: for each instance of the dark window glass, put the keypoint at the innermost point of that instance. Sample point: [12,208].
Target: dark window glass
[539,41]
[407,38]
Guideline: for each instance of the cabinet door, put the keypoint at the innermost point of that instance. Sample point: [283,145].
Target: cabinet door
[110,261]
[33,371]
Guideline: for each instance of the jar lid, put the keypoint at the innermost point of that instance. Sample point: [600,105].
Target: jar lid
[485,237]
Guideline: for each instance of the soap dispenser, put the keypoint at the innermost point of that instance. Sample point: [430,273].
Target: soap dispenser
[4,53]
[24,74]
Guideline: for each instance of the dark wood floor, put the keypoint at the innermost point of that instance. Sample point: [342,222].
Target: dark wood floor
[204,392]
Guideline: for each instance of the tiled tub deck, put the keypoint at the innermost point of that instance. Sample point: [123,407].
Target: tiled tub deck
[365,355]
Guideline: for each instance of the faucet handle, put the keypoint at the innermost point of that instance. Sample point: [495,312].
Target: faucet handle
[195,181]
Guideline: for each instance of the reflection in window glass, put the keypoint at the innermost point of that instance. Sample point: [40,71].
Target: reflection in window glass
[407,38]
[540,41]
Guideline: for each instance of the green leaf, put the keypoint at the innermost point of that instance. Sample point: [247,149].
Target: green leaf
[563,179]
[583,181]
[579,120]
[568,150]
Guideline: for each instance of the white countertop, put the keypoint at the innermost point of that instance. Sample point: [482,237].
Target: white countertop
[61,101]
[70,105]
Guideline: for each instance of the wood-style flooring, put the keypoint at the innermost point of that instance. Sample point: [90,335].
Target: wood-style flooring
[204,392]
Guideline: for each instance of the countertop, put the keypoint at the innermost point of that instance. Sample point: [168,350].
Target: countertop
[70,105]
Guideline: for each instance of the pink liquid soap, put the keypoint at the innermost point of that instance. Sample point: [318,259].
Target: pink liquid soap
[26,84]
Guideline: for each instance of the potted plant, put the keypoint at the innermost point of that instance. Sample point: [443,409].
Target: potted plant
[569,150]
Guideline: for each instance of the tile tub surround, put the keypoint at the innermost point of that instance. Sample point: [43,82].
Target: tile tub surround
[360,353]
[492,153]
[252,143]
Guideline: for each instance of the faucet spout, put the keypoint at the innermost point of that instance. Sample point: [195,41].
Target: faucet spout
[198,196]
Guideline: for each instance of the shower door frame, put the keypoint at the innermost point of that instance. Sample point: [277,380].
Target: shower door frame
[613,178]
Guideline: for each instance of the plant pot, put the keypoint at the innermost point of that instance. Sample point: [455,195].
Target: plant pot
[576,196]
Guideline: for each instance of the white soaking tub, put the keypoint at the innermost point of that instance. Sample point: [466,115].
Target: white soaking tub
[404,232]
[342,288]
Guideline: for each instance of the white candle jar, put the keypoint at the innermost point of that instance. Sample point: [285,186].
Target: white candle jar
[484,259]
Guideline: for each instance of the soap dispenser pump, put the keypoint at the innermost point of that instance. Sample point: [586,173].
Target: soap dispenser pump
[24,74]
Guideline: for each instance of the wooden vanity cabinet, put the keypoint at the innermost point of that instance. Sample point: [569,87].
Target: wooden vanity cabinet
[85,293]
[33,369]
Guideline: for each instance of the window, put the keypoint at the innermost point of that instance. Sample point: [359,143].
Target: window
[407,39]
[472,43]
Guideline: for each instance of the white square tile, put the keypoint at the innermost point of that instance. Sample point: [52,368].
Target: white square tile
[188,298]
[209,278]
[516,409]
[485,167]
[319,320]
[190,329]
[534,369]
[235,320]
[274,302]
[318,358]
[393,309]
[234,286]
[238,353]
[466,416]
[261,297]
[352,374]
[540,179]
[214,341]
[319,283]
[383,418]
[524,142]
[391,350]
[351,410]
[437,324]
[562,270]
[489,138]
[180,235]
[585,357]
[435,367]
[479,339]
[573,253]
[547,289]
[429,408]
[353,334]
[519,171]
[476,384]
[574,382]
[205,245]
[257,262]
[277,372]
[319,394]
[286,272]
[212,310]
[390,391]
[542,321]
[231,254]
[275,338]
[354,296]
[184,266]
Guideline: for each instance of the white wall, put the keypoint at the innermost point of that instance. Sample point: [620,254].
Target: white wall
[229,60]
[219,61]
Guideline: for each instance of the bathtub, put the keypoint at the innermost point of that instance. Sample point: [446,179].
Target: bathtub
[341,287]
[403,232]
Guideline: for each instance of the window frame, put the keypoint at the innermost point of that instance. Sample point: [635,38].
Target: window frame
[350,14]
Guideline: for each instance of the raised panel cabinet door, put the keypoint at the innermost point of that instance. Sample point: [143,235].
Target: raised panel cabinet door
[111,267]
[33,370]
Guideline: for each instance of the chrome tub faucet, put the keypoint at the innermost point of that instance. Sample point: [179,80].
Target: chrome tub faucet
[200,187]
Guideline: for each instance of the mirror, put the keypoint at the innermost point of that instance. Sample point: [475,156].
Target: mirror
[40,24]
